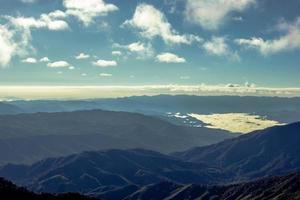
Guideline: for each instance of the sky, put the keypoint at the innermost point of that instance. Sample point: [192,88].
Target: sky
[251,45]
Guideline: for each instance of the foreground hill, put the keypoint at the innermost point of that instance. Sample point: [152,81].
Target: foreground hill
[279,188]
[89,171]
[26,138]
[271,151]
[10,191]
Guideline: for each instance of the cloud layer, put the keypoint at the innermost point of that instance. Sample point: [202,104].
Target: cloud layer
[59,64]
[82,92]
[210,14]
[289,41]
[86,11]
[151,23]
[170,58]
[105,63]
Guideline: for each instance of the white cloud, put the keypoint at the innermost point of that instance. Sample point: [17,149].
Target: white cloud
[170,58]
[116,53]
[142,50]
[49,21]
[153,23]
[29,60]
[45,59]
[210,14]
[58,64]
[13,42]
[57,14]
[105,75]
[71,68]
[105,63]
[7,46]
[218,46]
[136,47]
[83,74]
[289,41]
[82,56]
[86,11]
[15,35]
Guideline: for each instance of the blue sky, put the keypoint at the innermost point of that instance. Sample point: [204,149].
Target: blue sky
[157,42]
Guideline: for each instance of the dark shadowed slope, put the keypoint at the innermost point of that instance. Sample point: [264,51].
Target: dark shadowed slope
[26,138]
[9,191]
[90,171]
[279,188]
[268,152]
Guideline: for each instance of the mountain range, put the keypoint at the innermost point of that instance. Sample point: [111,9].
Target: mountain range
[279,188]
[272,151]
[284,110]
[26,138]
[262,154]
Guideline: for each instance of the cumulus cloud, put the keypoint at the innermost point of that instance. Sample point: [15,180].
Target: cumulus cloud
[151,23]
[218,46]
[58,64]
[105,63]
[82,56]
[50,21]
[29,60]
[116,53]
[142,50]
[86,11]
[57,14]
[15,35]
[105,75]
[13,42]
[45,59]
[170,58]
[210,14]
[7,46]
[290,40]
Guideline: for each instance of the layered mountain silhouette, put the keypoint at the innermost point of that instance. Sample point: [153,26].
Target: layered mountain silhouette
[272,151]
[6,108]
[143,174]
[26,138]
[286,110]
[10,191]
[91,171]
[279,188]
